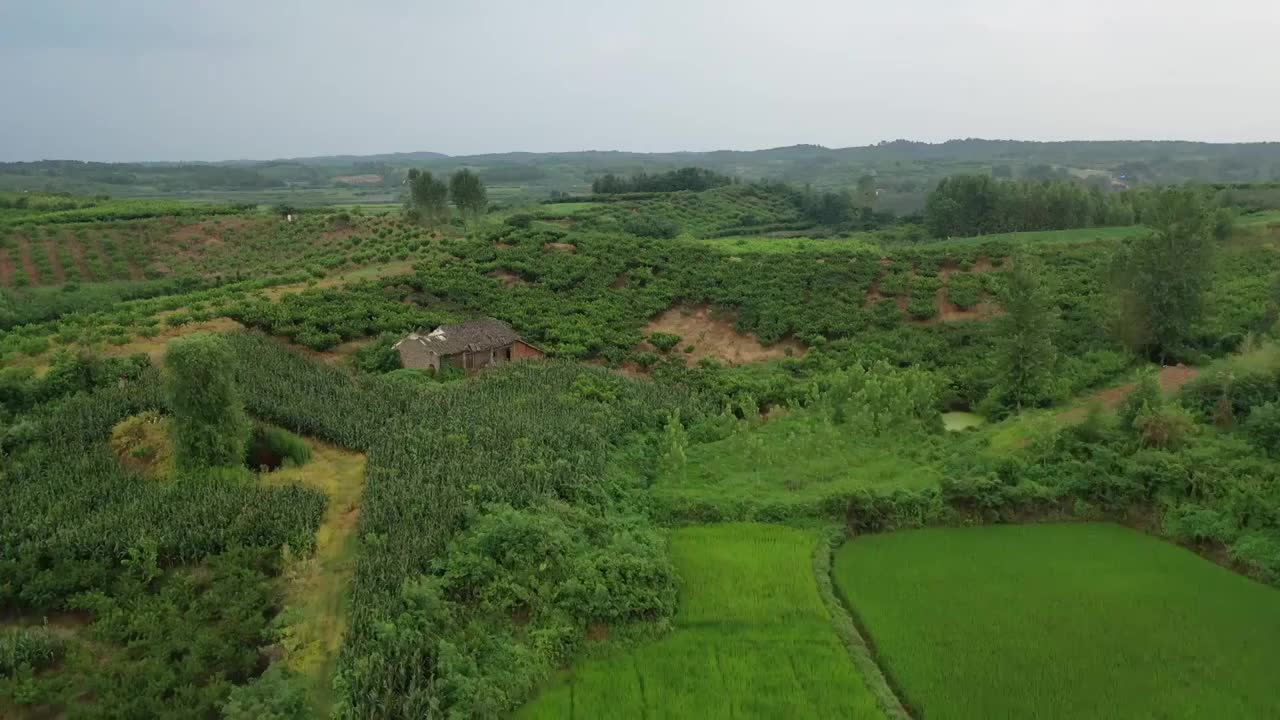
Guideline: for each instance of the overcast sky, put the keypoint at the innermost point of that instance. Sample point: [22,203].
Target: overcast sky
[223,79]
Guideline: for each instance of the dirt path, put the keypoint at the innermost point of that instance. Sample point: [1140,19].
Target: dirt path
[316,587]
[28,263]
[77,254]
[1171,377]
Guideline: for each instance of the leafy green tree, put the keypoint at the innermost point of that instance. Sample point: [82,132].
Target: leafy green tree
[210,427]
[1026,354]
[468,193]
[428,201]
[866,191]
[1162,276]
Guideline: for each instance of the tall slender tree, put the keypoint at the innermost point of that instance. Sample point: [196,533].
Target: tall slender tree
[1162,277]
[428,201]
[1026,354]
[468,193]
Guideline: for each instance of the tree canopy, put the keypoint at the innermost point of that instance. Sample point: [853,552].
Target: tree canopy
[210,427]
[1162,276]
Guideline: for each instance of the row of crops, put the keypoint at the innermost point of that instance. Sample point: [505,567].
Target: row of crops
[425,630]
[198,243]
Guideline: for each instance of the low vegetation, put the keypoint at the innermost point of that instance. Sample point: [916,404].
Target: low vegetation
[221,495]
[1061,621]
[752,638]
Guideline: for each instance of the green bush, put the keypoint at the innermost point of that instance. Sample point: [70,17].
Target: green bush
[210,427]
[34,648]
[651,227]
[272,447]
[664,341]
[277,694]
[1262,427]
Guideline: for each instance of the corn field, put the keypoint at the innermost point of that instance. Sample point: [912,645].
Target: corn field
[438,455]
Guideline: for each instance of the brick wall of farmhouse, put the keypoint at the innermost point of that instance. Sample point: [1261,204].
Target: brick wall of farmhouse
[521,350]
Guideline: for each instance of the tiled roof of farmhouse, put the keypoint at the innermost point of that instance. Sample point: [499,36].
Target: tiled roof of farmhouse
[470,336]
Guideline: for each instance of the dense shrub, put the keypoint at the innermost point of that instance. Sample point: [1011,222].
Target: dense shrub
[651,227]
[277,694]
[210,428]
[1263,427]
[664,341]
[272,447]
[32,648]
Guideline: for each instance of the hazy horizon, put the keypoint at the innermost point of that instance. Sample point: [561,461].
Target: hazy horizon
[149,80]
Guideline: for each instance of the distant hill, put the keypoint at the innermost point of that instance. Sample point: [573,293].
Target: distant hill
[904,170]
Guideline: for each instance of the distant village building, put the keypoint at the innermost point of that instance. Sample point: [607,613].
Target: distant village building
[470,346]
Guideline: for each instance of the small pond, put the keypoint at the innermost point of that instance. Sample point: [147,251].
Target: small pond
[957,421]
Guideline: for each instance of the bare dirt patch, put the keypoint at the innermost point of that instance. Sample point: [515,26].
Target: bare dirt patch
[948,312]
[561,247]
[508,278]
[372,272]
[597,632]
[714,336]
[1171,378]
[28,262]
[154,347]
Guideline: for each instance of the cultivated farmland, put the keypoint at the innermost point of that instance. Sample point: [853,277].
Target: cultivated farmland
[289,524]
[751,639]
[1062,621]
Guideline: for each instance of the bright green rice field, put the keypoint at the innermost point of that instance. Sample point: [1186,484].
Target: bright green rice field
[1063,621]
[752,639]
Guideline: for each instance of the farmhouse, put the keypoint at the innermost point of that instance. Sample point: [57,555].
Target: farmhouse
[472,345]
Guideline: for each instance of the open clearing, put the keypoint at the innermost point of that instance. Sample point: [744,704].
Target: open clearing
[714,336]
[1062,621]
[753,639]
[563,210]
[315,604]
[788,467]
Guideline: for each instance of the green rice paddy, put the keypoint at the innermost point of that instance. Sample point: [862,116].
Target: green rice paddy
[1062,621]
[752,639]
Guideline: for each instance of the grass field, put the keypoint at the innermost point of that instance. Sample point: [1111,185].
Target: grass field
[1266,217]
[753,639]
[871,244]
[786,467]
[1044,237]
[1063,621]
[314,619]
[757,244]
[568,209]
